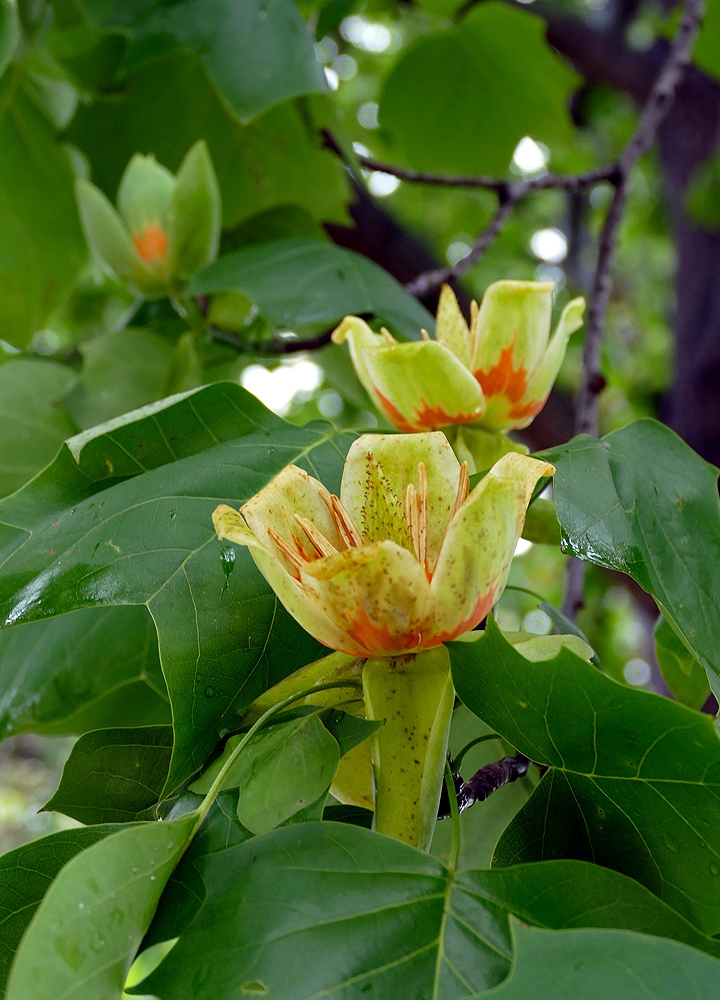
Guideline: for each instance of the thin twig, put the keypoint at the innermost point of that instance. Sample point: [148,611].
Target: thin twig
[565,182]
[291,345]
[656,107]
[425,282]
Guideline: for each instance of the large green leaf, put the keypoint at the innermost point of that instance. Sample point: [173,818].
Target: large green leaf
[41,244]
[114,775]
[461,100]
[257,53]
[86,670]
[706,53]
[563,894]
[332,907]
[25,876]
[633,780]
[168,104]
[597,964]
[32,425]
[121,371]
[9,32]
[643,502]
[85,933]
[224,638]
[299,281]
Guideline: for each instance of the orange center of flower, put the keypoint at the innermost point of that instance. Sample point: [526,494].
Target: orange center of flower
[416,517]
[151,244]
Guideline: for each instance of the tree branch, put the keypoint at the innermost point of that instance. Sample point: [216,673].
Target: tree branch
[656,107]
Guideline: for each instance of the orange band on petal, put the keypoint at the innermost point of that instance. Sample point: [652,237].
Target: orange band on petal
[377,639]
[483,606]
[429,417]
[504,380]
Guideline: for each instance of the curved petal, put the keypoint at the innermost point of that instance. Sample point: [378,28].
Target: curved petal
[353,782]
[542,381]
[377,595]
[512,314]
[145,193]
[359,337]
[481,448]
[475,558]
[451,330]
[378,470]
[229,524]
[422,386]
[274,508]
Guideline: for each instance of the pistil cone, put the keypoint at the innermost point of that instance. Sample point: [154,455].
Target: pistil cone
[413,696]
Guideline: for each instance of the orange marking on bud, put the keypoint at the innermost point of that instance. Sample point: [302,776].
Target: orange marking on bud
[151,244]
[483,605]
[427,418]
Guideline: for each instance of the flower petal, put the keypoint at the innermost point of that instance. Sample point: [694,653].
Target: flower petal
[353,782]
[509,339]
[451,330]
[422,386]
[378,470]
[542,381]
[274,508]
[481,449]
[475,558]
[376,595]
[229,524]
[359,337]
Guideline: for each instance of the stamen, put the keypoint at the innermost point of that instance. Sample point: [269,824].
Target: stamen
[291,554]
[318,541]
[423,513]
[463,490]
[412,516]
[474,331]
[424,333]
[387,335]
[343,522]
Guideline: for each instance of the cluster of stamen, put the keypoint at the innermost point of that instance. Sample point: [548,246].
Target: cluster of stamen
[416,517]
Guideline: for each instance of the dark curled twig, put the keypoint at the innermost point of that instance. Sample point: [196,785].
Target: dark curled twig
[656,107]
[291,345]
[483,783]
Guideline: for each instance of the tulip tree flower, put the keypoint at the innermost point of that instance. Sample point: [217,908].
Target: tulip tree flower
[166,227]
[404,560]
[494,375]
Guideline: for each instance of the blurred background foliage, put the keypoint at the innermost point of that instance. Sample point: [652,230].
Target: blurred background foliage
[436,85]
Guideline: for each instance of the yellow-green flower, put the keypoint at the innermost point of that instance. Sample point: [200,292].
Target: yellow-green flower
[494,374]
[405,559]
[166,227]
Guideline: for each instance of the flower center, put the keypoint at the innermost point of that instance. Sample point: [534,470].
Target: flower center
[416,517]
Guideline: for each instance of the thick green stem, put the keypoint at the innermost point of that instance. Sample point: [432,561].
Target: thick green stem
[413,695]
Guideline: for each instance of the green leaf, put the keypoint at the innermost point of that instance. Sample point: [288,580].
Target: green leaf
[702,195]
[461,100]
[332,907]
[168,104]
[184,894]
[86,670]
[681,671]
[32,425]
[349,730]
[597,964]
[85,933]
[355,815]
[9,32]
[297,282]
[283,769]
[92,541]
[121,371]
[633,777]
[256,53]
[25,876]
[706,51]
[643,502]
[41,243]
[560,895]
[114,775]
[541,523]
